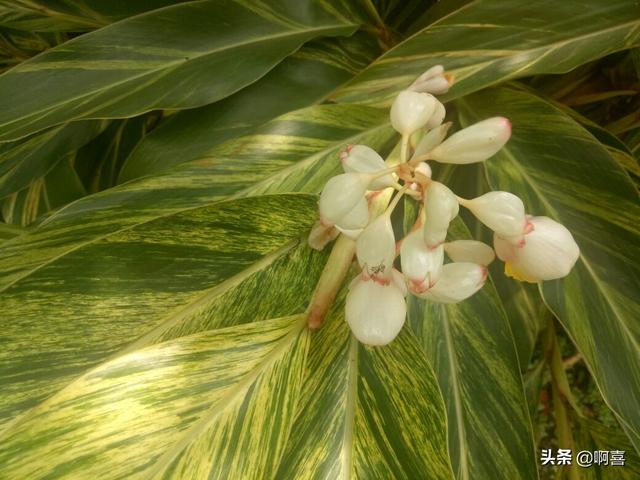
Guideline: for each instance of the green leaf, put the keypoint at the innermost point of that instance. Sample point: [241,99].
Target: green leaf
[8,232]
[163,279]
[561,171]
[593,436]
[71,15]
[302,79]
[471,348]
[193,407]
[297,152]
[29,159]
[101,160]
[366,412]
[485,42]
[151,61]
[61,185]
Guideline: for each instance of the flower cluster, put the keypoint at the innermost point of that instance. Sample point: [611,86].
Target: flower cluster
[533,248]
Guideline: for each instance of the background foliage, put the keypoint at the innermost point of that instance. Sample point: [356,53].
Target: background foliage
[159,166]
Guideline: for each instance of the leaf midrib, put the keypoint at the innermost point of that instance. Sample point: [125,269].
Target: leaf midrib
[457,402]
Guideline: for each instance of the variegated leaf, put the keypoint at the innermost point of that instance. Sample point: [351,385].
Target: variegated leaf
[180,274]
[366,412]
[472,350]
[216,404]
[484,42]
[561,171]
[296,152]
[302,79]
[117,71]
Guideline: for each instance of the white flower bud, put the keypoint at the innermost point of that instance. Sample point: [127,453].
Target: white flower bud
[341,195]
[375,312]
[432,81]
[421,265]
[549,252]
[431,140]
[471,251]
[440,207]
[411,111]
[320,235]
[352,224]
[424,169]
[362,159]
[475,143]
[502,212]
[437,117]
[376,249]
[457,282]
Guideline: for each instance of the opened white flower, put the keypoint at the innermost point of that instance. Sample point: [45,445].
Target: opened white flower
[457,282]
[411,111]
[440,207]
[471,251]
[549,252]
[376,249]
[432,81]
[363,159]
[502,212]
[375,312]
[421,265]
[475,143]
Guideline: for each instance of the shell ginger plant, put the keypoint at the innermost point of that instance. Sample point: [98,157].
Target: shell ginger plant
[534,248]
[276,240]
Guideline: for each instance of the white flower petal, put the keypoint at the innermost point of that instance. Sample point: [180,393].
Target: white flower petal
[475,143]
[471,251]
[440,207]
[363,159]
[358,218]
[375,312]
[376,248]
[421,265]
[457,282]
[341,195]
[437,117]
[411,111]
[549,252]
[431,140]
[502,212]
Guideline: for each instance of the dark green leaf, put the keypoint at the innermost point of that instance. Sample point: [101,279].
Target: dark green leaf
[152,61]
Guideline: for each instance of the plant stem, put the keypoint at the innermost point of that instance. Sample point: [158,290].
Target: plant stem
[331,280]
[404,146]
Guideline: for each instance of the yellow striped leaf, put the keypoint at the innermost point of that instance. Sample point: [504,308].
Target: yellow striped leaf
[471,348]
[217,404]
[302,79]
[561,171]
[175,276]
[366,412]
[484,42]
[118,71]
